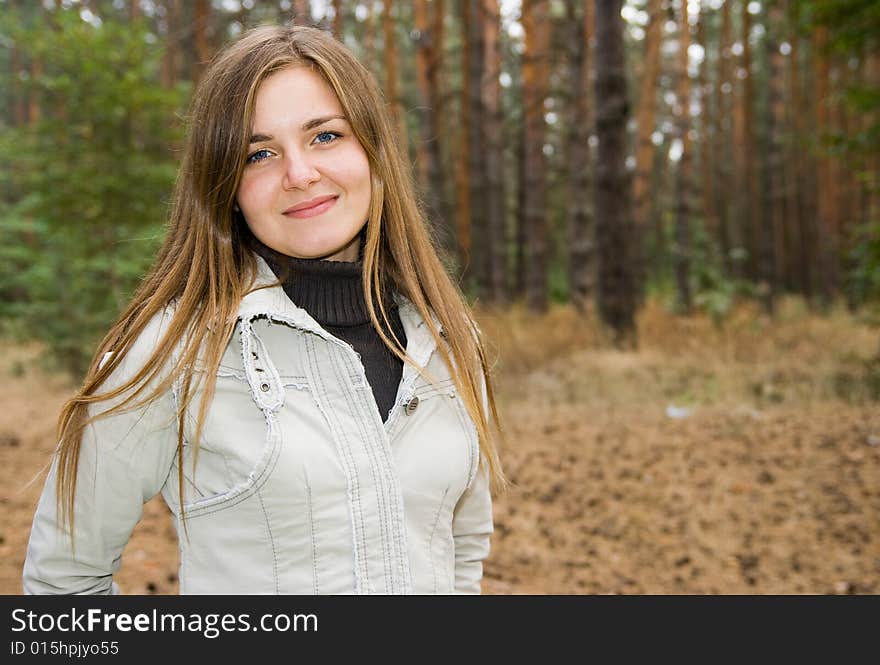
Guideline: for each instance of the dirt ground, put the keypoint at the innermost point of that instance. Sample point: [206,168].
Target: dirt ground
[735,460]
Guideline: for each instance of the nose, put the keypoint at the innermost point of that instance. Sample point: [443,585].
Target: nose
[299,171]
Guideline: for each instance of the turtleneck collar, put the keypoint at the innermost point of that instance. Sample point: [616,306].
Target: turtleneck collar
[330,291]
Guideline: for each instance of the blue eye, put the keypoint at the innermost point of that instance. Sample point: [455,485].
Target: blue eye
[333,136]
[258,156]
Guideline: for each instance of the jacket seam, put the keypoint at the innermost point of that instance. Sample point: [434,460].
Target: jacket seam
[271,543]
[315,585]
[361,566]
[376,472]
[431,539]
[248,491]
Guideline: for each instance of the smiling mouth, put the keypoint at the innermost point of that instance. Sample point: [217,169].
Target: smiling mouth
[312,211]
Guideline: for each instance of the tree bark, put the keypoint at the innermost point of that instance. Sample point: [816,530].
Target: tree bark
[301,13]
[723,148]
[475,270]
[709,128]
[424,55]
[682,222]
[462,161]
[777,174]
[536,26]
[871,73]
[370,42]
[430,164]
[441,146]
[645,121]
[171,55]
[617,284]
[391,83]
[751,221]
[799,221]
[338,16]
[496,244]
[581,228]
[202,9]
[740,226]
[772,184]
[16,94]
[825,226]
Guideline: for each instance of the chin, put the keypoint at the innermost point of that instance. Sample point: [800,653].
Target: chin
[326,249]
[319,251]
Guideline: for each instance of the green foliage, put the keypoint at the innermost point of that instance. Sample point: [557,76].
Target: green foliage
[714,292]
[854,30]
[854,24]
[87,184]
[863,284]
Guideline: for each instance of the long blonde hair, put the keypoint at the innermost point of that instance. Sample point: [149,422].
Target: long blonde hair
[205,265]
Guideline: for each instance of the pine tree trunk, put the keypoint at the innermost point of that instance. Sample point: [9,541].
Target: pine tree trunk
[202,9]
[778,175]
[338,19]
[752,223]
[301,13]
[581,227]
[723,148]
[740,227]
[171,55]
[709,127]
[535,69]
[370,42]
[462,161]
[429,161]
[682,222]
[440,130]
[429,59]
[824,223]
[391,84]
[844,196]
[799,219]
[16,93]
[495,255]
[519,275]
[871,73]
[645,120]
[617,283]
[424,55]
[476,270]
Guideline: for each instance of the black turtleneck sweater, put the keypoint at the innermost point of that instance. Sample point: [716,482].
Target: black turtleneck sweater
[332,293]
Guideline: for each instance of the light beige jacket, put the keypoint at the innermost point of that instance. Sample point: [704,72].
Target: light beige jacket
[299,486]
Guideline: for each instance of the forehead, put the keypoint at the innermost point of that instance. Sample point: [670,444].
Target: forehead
[293,95]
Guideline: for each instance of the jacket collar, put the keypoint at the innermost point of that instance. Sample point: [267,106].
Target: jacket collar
[268,299]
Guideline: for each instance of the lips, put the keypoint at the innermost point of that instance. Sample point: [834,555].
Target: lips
[311,207]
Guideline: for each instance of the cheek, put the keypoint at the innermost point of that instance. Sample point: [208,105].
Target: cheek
[253,193]
[353,172]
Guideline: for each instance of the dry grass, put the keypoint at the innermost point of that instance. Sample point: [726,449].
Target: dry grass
[796,358]
[735,459]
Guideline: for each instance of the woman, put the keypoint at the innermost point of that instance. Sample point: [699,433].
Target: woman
[307,437]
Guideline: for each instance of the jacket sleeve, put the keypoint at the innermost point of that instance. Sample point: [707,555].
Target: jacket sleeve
[472,523]
[124,461]
[471,529]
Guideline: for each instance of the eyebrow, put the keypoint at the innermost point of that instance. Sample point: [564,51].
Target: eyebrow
[306,126]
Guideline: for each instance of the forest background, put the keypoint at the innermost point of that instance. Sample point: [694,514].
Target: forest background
[666,212]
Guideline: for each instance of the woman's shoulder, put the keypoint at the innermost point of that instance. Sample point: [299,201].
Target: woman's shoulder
[145,344]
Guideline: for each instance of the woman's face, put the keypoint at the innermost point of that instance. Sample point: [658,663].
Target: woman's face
[305,190]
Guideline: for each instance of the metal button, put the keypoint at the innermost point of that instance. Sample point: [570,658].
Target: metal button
[264,387]
[410,407]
